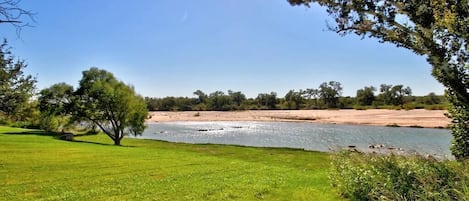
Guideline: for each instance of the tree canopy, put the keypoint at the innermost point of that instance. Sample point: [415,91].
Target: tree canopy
[366,95]
[101,100]
[437,29]
[110,104]
[16,88]
[329,93]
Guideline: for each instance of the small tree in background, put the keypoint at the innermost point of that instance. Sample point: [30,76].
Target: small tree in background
[329,93]
[366,96]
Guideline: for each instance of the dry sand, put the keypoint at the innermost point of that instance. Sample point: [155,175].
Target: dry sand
[378,117]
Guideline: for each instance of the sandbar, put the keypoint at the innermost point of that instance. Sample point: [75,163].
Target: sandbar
[375,117]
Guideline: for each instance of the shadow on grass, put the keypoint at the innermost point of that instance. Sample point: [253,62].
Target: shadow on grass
[85,134]
[99,143]
[38,133]
[88,142]
[56,135]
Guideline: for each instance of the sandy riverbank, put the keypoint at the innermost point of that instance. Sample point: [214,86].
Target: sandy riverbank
[420,117]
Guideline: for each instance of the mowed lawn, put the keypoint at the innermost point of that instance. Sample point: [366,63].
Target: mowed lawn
[36,166]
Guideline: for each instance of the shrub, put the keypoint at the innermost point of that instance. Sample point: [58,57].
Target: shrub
[409,106]
[49,123]
[23,124]
[436,107]
[361,176]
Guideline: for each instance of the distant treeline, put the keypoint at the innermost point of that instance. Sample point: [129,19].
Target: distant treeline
[327,96]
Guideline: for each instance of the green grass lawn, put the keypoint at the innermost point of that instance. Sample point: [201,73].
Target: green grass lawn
[36,166]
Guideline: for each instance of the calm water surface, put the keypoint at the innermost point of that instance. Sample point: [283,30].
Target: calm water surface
[309,136]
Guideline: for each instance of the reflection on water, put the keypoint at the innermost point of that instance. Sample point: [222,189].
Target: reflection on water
[309,136]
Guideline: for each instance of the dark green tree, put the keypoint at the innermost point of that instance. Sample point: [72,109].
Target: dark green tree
[394,95]
[219,101]
[432,99]
[294,99]
[386,94]
[329,93]
[311,96]
[267,101]
[16,88]
[400,93]
[237,97]
[153,104]
[366,96]
[201,96]
[436,29]
[110,104]
[56,105]
[56,99]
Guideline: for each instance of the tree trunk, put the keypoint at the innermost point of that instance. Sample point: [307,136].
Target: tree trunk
[117,141]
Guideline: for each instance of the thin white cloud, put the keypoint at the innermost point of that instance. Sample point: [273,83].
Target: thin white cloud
[184,16]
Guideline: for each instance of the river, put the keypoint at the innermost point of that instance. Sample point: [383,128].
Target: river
[308,136]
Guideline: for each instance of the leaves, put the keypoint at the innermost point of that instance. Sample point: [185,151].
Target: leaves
[437,29]
[111,104]
[16,88]
[101,99]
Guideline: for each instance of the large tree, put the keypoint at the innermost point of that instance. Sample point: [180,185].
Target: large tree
[437,29]
[16,88]
[110,104]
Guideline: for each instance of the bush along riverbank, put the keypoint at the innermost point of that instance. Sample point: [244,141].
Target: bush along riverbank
[360,176]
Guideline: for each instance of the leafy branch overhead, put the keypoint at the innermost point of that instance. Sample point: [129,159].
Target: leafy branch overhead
[437,29]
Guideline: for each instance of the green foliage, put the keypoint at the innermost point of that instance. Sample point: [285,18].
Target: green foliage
[49,123]
[267,100]
[89,169]
[436,107]
[201,96]
[16,88]
[218,101]
[329,93]
[437,29]
[361,176]
[459,113]
[394,95]
[294,100]
[56,100]
[346,102]
[237,98]
[432,99]
[110,104]
[366,96]
[56,105]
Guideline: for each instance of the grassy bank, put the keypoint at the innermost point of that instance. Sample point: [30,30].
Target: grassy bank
[36,166]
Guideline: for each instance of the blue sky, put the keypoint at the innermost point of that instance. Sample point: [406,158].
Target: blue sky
[173,48]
